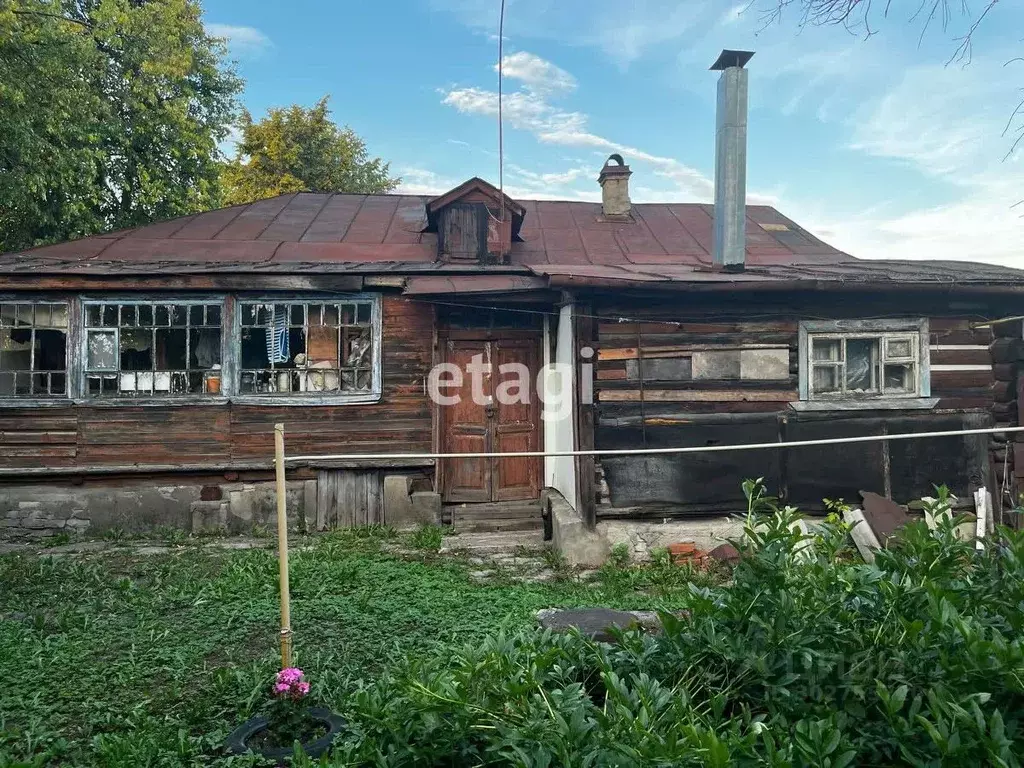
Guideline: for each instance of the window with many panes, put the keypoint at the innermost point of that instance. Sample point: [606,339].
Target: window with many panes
[33,349]
[308,347]
[870,360]
[139,349]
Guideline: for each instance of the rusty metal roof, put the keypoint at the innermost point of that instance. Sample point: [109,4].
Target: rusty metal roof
[331,233]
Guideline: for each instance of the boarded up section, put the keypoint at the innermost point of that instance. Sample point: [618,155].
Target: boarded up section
[349,497]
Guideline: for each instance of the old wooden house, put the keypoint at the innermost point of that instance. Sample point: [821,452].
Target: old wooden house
[141,371]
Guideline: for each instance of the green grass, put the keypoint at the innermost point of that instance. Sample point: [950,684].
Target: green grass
[115,659]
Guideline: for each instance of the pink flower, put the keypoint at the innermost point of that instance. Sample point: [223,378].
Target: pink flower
[289,675]
[282,688]
[303,689]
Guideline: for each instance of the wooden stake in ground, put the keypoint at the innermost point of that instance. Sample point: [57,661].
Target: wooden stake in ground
[282,548]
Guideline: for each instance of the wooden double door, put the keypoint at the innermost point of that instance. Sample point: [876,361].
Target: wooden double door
[499,417]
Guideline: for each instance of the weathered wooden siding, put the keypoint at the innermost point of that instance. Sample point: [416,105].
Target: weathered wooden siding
[725,373]
[222,435]
[349,497]
[33,437]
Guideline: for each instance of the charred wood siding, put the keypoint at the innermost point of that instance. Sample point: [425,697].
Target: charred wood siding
[223,435]
[691,377]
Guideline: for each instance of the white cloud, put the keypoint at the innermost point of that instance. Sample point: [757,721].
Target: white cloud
[537,73]
[242,40]
[419,181]
[946,123]
[531,111]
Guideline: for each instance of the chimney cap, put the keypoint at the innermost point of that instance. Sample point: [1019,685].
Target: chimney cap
[728,58]
[614,166]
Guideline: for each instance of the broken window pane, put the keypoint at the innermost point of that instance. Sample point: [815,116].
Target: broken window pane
[157,350]
[297,347]
[136,349]
[51,350]
[204,346]
[170,348]
[33,343]
[862,365]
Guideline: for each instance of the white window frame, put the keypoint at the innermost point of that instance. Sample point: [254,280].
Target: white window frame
[885,331]
[83,371]
[371,395]
[33,400]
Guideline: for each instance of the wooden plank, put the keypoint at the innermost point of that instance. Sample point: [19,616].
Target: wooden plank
[346,498]
[863,537]
[39,438]
[943,380]
[670,395]
[655,350]
[321,501]
[42,452]
[376,498]
[983,511]
[964,356]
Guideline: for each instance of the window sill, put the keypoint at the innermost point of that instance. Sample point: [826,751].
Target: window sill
[324,398]
[36,402]
[887,404]
[149,402]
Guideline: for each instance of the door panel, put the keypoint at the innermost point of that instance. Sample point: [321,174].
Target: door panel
[467,430]
[495,427]
[516,426]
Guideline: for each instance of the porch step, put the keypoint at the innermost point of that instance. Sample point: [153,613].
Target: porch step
[504,543]
[496,516]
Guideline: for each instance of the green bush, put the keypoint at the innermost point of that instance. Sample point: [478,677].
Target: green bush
[807,659]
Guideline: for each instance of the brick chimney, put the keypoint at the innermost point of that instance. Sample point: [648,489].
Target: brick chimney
[614,181]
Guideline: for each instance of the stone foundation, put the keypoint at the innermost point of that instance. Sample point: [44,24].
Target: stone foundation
[590,548]
[136,507]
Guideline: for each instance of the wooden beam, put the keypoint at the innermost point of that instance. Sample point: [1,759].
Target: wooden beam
[687,396]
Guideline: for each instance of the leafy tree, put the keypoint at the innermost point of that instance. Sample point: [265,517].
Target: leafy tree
[111,114]
[301,150]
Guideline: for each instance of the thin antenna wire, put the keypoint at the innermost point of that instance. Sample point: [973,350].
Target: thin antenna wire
[501,136]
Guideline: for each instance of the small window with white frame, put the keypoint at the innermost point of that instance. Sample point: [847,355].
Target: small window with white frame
[33,349]
[152,349]
[854,360]
[310,348]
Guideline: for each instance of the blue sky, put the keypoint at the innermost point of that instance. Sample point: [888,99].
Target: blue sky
[874,143]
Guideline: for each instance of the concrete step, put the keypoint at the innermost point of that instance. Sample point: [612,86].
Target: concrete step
[505,542]
[497,524]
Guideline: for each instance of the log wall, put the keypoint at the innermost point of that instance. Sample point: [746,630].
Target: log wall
[714,372]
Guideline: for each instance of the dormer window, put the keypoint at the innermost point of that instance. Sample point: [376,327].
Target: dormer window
[475,223]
